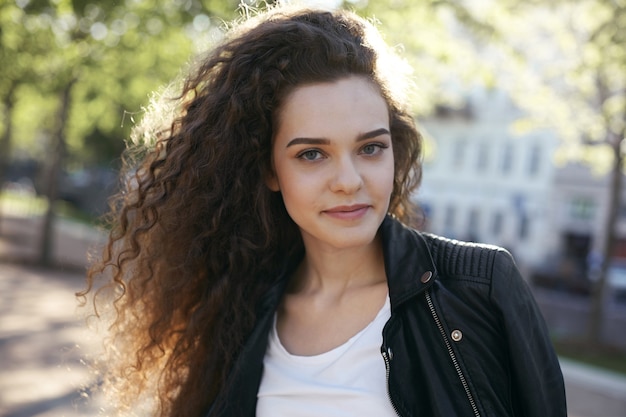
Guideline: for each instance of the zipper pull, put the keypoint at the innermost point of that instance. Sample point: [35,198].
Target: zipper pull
[387,353]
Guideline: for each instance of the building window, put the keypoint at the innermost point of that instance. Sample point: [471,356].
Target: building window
[524,225]
[582,208]
[473,225]
[449,220]
[496,225]
[534,161]
[507,158]
[482,158]
[458,153]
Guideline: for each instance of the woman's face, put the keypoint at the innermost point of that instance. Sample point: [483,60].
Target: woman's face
[333,161]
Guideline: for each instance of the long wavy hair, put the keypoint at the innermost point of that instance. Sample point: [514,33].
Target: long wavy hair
[196,235]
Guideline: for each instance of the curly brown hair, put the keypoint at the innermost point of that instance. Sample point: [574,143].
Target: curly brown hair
[197,236]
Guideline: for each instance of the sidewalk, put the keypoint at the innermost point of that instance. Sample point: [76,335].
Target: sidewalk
[43,341]
[593,392]
[44,345]
[20,241]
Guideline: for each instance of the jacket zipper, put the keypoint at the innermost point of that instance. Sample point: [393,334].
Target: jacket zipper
[459,372]
[386,358]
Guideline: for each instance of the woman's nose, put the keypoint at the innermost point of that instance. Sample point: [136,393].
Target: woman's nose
[346,178]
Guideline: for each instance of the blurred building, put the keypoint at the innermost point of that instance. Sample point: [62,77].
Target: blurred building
[580,206]
[484,183]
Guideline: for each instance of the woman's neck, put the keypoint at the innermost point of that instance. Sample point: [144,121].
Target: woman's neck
[336,272]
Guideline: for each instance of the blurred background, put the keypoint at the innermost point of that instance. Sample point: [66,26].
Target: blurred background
[522,104]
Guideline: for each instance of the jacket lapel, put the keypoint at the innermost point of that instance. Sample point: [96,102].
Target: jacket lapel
[408,262]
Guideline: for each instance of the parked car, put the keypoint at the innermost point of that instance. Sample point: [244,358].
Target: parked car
[88,189]
[562,274]
[616,281]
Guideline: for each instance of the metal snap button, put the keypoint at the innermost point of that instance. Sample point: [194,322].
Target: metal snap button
[426,277]
[456,335]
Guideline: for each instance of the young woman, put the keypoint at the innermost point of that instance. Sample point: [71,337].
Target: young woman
[261,263]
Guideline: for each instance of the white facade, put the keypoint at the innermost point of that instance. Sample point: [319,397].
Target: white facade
[581,204]
[482,182]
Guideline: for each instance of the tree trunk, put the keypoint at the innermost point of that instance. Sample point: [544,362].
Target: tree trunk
[58,148]
[5,140]
[598,295]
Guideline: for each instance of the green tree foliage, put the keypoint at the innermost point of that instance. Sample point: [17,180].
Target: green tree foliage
[563,62]
[577,86]
[75,72]
[117,51]
[430,34]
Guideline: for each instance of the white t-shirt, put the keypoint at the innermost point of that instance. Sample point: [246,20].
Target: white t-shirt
[349,380]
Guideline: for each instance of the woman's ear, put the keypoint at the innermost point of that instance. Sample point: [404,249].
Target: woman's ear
[271,181]
[269,172]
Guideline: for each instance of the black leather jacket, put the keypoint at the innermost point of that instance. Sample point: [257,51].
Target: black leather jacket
[465,337]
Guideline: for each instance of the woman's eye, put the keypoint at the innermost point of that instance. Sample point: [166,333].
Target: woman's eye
[310,155]
[372,149]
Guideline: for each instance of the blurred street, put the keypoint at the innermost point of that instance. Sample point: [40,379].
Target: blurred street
[43,341]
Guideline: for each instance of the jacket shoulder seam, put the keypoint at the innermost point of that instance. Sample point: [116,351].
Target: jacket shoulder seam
[462,260]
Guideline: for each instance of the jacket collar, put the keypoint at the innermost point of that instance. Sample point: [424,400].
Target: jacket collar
[409,265]
[408,261]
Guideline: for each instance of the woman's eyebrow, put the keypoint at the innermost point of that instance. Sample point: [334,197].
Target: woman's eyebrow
[323,141]
[308,141]
[372,134]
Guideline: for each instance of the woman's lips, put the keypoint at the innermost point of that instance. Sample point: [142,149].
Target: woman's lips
[352,212]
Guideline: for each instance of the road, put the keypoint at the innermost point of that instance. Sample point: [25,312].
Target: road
[44,345]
